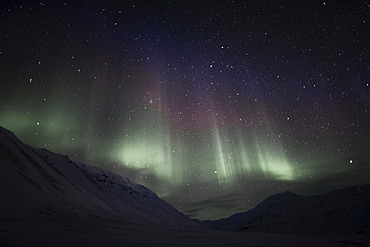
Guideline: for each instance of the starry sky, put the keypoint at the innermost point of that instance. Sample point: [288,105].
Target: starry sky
[214,105]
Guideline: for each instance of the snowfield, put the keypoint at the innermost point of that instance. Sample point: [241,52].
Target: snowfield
[108,234]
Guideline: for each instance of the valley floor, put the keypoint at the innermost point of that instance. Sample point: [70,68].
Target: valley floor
[29,234]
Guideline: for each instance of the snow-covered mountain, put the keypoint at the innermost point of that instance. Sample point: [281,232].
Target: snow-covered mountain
[341,211]
[36,183]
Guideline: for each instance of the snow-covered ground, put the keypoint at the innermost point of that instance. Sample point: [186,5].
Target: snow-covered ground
[107,234]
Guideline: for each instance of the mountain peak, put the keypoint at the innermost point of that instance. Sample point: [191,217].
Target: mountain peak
[277,198]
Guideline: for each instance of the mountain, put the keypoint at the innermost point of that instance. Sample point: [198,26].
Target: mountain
[39,184]
[341,211]
[236,221]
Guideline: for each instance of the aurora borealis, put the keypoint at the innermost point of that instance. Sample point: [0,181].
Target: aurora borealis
[214,105]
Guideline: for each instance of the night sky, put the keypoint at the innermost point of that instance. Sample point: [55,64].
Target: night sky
[214,105]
